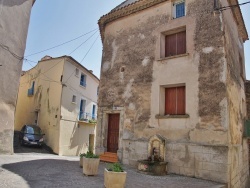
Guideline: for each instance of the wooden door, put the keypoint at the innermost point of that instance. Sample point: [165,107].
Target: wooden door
[113,132]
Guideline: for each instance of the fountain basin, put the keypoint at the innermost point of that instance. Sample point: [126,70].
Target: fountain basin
[155,168]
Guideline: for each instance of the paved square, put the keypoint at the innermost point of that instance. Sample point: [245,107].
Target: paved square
[46,170]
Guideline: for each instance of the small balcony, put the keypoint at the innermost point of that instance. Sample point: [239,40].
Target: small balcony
[87,118]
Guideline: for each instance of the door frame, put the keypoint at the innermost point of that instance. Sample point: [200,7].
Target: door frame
[118,130]
[102,129]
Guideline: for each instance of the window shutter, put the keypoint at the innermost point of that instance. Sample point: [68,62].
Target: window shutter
[170,45]
[180,10]
[181,100]
[181,42]
[170,101]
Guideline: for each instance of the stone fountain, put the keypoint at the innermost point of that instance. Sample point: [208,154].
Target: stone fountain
[155,164]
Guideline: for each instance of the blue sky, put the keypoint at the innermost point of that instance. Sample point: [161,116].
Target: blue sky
[56,21]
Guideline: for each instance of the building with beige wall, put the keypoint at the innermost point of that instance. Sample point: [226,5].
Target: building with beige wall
[14,22]
[60,96]
[175,69]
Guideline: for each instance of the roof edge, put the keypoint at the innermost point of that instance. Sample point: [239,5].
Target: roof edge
[139,5]
[125,11]
[239,19]
[72,59]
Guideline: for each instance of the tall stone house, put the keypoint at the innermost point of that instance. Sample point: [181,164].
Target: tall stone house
[14,22]
[175,69]
[60,96]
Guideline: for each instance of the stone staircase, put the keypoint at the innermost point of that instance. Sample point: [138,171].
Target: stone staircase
[109,157]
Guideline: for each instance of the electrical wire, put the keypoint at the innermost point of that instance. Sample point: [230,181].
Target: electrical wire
[61,43]
[43,74]
[82,43]
[62,59]
[51,80]
[232,6]
[12,53]
[75,90]
[82,59]
[89,49]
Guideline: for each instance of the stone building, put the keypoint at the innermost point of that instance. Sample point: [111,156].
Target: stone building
[60,96]
[175,69]
[14,22]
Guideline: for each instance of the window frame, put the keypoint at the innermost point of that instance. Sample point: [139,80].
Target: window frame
[83,84]
[174,12]
[73,99]
[82,109]
[31,91]
[177,91]
[175,38]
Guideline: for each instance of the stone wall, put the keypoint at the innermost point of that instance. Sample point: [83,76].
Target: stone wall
[14,23]
[207,142]
[236,101]
[206,162]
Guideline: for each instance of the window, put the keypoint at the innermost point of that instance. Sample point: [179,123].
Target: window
[97,90]
[77,72]
[83,80]
[31,90]
[175,44]
[82,114]
[175,102]
[179,9]
[74,99]
[93,112]
[122,69]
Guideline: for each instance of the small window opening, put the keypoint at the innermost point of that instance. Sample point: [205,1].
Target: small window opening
[122,69]
[74,99]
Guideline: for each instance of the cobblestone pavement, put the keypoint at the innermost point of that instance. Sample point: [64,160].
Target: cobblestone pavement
[47,170]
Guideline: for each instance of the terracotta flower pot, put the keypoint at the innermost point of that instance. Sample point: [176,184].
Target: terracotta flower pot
[114,179]
[90,166]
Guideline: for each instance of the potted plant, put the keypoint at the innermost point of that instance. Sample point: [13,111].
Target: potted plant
[114,176]
[81,156]
[90,163]
[92,121]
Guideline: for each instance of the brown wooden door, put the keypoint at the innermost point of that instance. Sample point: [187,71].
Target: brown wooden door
[113,132]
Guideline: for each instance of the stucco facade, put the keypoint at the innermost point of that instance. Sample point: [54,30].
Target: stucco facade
[14,22]
[52,107]
[207,141]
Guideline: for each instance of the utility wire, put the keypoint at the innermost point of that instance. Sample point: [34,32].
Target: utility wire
[89,49]
[232,6]
[12,53]
[43,73]
[82,43]
[80,93]
[82,59]
[69,54]
[61,43]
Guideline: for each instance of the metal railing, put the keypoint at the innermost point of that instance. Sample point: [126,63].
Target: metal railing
[85,116]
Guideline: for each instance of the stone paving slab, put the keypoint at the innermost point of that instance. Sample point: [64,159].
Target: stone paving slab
[25,170]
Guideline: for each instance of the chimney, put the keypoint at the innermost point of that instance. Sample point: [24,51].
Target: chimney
[46,58]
